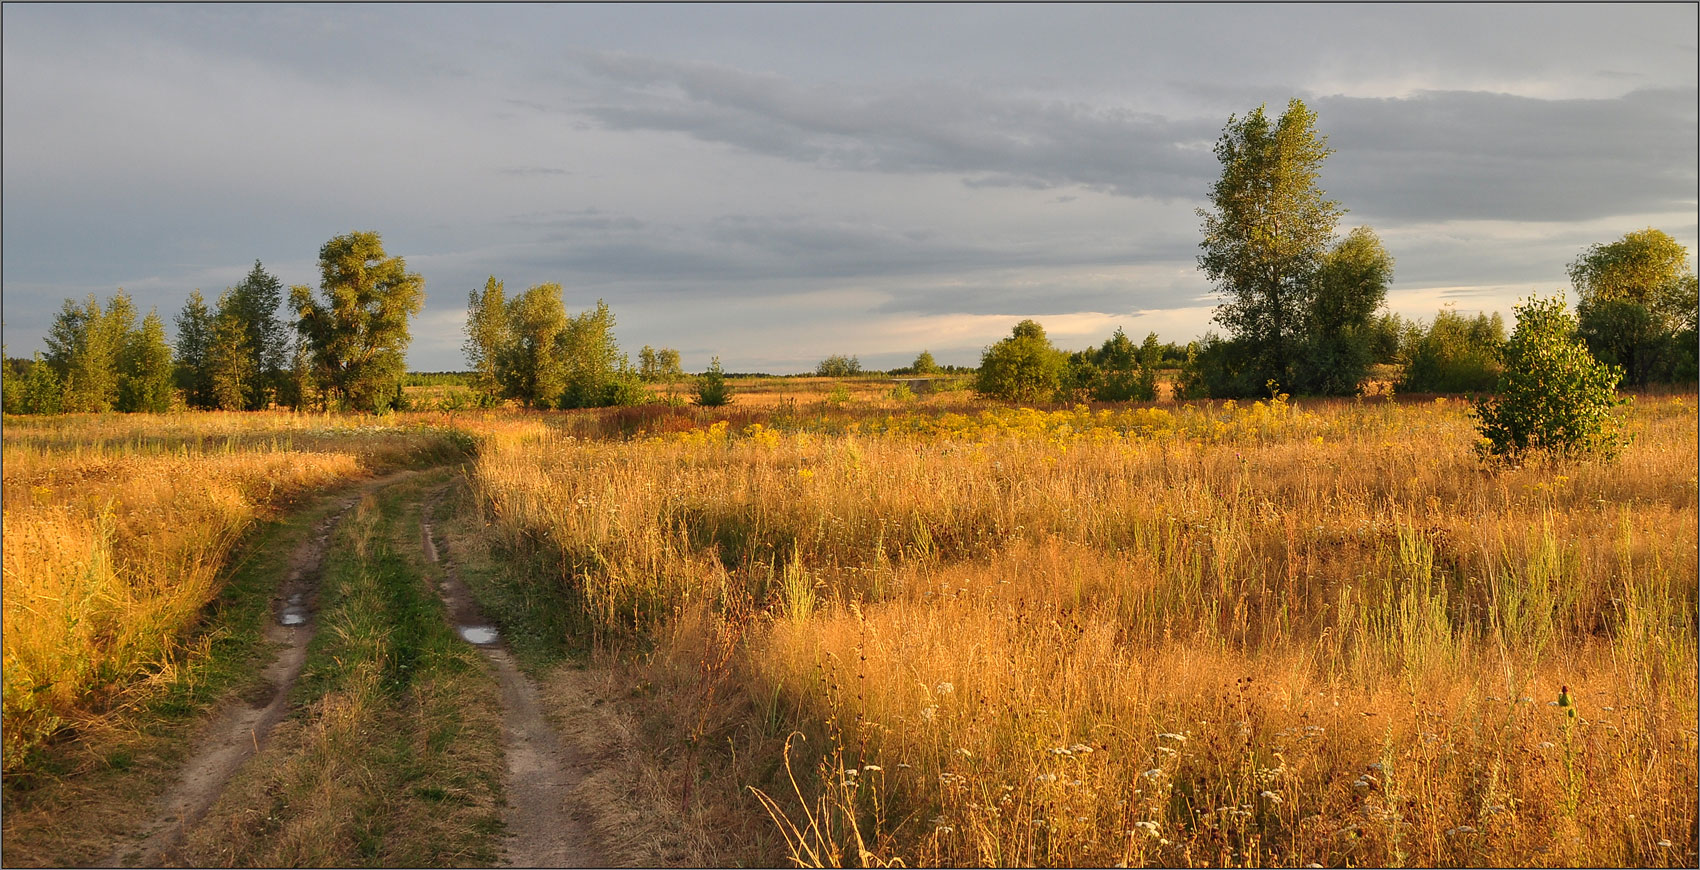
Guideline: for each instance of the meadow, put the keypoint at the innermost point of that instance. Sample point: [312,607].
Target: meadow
[119,528]
[883,630]
[1210,634]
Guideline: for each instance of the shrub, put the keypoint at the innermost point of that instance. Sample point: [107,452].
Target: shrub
[838,366]
[1455,354]
[1022,368]
[1554,397]
[625,392]
[712,389]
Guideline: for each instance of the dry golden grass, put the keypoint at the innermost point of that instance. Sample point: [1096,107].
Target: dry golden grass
[117,527]
[1214,634]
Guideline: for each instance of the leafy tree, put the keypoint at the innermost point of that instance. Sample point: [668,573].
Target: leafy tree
[487,336]
[712,389]
[1637,304]
[659,364]
[297,386]
[1350,284]
[1455,354]
[83,345]
[533,365]
[1119,371]
[144,369]
[42,391]
[232,364]
[1022,368]
[1390,336]
[194,340]
[838,366]
[253,305]
[1554,396]
[357,332]
[1264,239]
[591,358]
[924,364]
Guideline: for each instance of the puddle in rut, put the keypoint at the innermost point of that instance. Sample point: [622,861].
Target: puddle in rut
[294,612]
[477,634]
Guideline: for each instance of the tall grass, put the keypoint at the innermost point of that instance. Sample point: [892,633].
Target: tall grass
[117,527]
[1210,634]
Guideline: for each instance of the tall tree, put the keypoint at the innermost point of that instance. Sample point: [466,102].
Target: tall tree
[194,338]
[592,358]
[1637,304]
[487,336]
[232,364]
[83,346]
[1265,236]
[357,330]
[253,304]
[534,365]
[144,368]
[1339,338]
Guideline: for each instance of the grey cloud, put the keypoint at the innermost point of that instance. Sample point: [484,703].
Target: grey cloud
[532,171]
[1454,155]
[923,127]
[1434,155]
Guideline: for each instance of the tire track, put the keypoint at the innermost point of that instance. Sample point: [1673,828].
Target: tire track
[543,829]
[239,731]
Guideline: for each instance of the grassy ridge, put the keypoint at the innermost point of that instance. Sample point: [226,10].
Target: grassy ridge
[1211,634]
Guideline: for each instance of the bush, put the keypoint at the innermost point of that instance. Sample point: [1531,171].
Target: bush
[1455,354]
[624,392]
[838,366]
[712,389]
[1554,397]
[1022,368]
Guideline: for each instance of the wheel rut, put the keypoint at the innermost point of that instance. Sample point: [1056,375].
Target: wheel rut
[543,827]
[239,730]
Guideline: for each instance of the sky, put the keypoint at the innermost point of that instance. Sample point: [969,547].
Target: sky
[774,184]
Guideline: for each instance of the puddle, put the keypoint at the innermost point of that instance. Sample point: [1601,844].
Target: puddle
[477,634]
[292,616]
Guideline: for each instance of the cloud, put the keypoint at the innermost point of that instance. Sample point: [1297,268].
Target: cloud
[1432,155]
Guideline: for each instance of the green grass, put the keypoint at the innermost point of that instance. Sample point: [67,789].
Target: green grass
[393,758]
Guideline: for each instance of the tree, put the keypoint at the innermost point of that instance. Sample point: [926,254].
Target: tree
[1350,284]
[1456,354]
[838,366]
[194,338]
[1637,303]
[659,364]
[533,365]
[144,369]
[357,332]
[42,391]
[1265,237]
[1554,396]
[712,388]
[592,358]
[1022,368]
[487,336]
[253,305]
[924,364]
[232,366]
[83,345]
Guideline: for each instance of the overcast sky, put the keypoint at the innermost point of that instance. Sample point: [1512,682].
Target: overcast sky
[774,184]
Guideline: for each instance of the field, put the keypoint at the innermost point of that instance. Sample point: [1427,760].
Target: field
[1258,635]
[876,630]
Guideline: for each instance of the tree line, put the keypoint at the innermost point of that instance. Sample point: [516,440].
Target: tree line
[344,349]
[1303,305]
